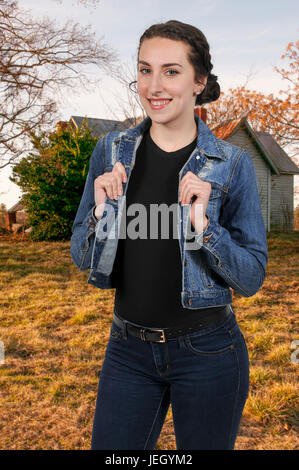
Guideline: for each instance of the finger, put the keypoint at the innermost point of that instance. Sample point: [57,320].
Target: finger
[121,170]
[187,197]
[120,177]
[184,194]
[109,187]
[185,181]
[100,196]
[189,192]
[124,174]
[115,187]
[182,186]
[119,185]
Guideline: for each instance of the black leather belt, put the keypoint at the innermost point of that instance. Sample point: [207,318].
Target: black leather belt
[163,334]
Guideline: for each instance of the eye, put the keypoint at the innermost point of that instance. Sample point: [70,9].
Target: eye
[143,70]
[174,72]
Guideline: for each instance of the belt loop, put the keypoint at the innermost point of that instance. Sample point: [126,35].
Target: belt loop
[182,342]
[123,324]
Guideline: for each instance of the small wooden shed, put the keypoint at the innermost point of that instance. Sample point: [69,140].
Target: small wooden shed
[16,217]
[275,171]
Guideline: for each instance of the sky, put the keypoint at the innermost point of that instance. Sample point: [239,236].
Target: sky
[247,39]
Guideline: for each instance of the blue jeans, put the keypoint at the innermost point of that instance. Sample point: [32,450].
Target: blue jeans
[204,375]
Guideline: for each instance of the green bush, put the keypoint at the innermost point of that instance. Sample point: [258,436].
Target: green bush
[52,178]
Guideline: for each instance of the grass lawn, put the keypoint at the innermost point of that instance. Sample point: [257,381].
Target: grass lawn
[55,328]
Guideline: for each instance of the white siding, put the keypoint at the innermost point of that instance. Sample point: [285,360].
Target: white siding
[242,139]
[282,203]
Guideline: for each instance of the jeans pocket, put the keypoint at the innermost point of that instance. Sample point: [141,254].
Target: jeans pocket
[218,341]
[116,332]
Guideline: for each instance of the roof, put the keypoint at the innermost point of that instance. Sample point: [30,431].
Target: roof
[273,154]
[281,159]
[19,206]
[101,126]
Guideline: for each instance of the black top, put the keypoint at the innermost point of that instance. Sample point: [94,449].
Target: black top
[147,272]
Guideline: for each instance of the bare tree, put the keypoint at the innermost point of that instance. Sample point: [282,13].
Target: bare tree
[129,107]
[87,3]
[266,113]
[39,60]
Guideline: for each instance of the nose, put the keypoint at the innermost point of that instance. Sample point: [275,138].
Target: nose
[155,84]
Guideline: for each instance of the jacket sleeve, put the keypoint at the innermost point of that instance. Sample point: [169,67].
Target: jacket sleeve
[236,247]
[83,229]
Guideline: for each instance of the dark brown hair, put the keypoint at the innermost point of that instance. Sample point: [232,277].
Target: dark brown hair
[198,55]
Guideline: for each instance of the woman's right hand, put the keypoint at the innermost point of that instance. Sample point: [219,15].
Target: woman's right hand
[108,184]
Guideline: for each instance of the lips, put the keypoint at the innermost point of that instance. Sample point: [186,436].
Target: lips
[159,103]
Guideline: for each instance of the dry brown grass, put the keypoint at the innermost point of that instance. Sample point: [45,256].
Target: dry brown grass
[55,328]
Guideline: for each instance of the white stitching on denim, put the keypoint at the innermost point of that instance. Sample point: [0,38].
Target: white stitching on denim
[144,448]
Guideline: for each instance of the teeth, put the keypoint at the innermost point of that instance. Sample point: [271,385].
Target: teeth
[159,103]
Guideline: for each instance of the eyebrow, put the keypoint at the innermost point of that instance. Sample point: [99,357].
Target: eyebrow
[164,65]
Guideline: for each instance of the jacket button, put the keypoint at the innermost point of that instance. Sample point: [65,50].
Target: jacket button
[189,301]
[206,238]
[91,222]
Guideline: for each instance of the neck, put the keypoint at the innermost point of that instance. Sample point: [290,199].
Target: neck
[174,135]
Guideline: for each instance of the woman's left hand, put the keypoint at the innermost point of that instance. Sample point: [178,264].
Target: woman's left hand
[191,185]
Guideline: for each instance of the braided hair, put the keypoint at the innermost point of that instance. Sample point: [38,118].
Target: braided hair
[198,55]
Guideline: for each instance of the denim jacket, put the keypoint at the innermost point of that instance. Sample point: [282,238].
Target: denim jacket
[230,253]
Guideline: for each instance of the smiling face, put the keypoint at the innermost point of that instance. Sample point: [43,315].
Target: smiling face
[166,80]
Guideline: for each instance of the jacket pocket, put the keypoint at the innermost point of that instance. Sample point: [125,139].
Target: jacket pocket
[214,203]
[206,276]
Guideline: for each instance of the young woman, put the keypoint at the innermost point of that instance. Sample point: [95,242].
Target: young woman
[174,336]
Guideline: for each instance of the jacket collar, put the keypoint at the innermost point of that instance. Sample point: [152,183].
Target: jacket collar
[206,140]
